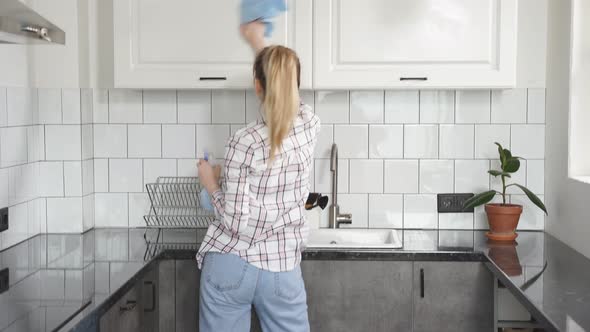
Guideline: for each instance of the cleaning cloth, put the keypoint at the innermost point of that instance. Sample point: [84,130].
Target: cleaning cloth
[263,11]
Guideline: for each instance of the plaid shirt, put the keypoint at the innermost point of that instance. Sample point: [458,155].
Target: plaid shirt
[261,209]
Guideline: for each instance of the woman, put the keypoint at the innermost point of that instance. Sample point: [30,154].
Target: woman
[251,253]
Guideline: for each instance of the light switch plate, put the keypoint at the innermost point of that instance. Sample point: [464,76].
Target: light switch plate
[4,280]
[3,219]
[453,203]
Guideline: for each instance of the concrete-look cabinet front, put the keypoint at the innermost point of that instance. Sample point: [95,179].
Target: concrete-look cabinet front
[342,295]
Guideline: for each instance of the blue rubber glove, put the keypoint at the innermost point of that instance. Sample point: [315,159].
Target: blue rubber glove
[263,11]
[206,200]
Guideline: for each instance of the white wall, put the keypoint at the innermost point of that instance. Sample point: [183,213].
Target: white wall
[567,199]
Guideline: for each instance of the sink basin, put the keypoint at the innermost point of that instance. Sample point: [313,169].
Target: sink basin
[354,238]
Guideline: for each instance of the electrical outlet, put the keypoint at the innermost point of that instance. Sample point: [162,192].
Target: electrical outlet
[3,219]
[453,203]
[4,281]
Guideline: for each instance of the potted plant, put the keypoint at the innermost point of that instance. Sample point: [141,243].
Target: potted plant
[503,217]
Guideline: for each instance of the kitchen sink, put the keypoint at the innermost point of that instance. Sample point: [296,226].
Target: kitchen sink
[354,238]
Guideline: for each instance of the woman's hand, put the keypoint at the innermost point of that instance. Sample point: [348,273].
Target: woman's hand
[209,176]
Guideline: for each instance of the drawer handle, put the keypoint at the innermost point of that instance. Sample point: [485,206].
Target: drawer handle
[130,305]
[212,78]
[152,307]
[413,78]
[422,283]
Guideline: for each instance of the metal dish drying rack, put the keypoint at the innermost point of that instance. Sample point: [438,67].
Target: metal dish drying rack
[175,203]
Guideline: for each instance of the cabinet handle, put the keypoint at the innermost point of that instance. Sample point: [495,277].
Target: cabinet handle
[130,305]
[152,307]
[422,283]
[212,78]
[413,78]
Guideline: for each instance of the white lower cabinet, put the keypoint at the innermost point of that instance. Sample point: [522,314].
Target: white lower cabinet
[196,43]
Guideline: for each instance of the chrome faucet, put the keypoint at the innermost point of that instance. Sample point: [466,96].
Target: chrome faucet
[336,218]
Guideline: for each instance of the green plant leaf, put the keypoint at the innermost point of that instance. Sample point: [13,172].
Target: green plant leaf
[512,165]
[501,153]
[498,173]
[508,154]
[536,200]
[479,199]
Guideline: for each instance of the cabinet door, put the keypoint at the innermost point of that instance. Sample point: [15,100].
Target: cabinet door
[418,43]
[196,43]
[358,295]
[453,296]
[125,314]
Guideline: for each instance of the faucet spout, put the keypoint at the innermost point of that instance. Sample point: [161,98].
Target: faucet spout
[336,218]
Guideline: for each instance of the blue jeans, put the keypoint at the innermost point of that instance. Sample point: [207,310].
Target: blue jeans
[230,286]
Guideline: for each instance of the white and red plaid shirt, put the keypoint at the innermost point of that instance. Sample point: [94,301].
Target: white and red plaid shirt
[260,209]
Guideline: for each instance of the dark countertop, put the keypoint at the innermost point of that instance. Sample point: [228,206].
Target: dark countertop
[62,281]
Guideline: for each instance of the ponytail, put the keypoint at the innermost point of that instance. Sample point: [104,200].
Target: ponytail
[278,70]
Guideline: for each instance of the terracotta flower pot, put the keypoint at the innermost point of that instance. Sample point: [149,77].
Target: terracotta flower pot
[503,219]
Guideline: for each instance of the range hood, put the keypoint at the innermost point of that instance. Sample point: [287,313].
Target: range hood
[19,24]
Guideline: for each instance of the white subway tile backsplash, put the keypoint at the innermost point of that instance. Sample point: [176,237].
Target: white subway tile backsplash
[528,141]
[101,175]
[51,175]
[125,175]
[366,106]
[87,177]
[332,106]
[456,141]
[3,188]
[19,226]
[437,106]
[366,176]
[536,106]
[436,176]
[324,142]
[228,106]
[86,106]
[386,141]
[486,135]
[352,140]
[110,141]
[88,212]
[21,103]
[3,111]
[307,97]
[455,221]
[212,138]
[35,143]
[178,141]
[471,176]
[153,168]
[63,142]
[70,105]
[22,183]
[535,176]
[13,146]
[402,106]
[323,176]
[37,216]
[72,178]
[187,167]
[87,141]
[509,106]
[420,211]
[358,206]
[111,210]
[473,106]
[49,106]
[64,215]
[421,141]
[401,176]
[532,218]
[125,106]
[139,206]
[145,141]
[386,211]
[100,105]
[194,106]
[159,106]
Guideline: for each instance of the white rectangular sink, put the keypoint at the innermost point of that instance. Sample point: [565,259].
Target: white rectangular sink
[354,238]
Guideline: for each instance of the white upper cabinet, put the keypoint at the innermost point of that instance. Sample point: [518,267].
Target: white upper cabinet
[197,44]
[417,43]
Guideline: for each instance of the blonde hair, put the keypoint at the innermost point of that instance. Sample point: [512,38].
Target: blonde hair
[278,70]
